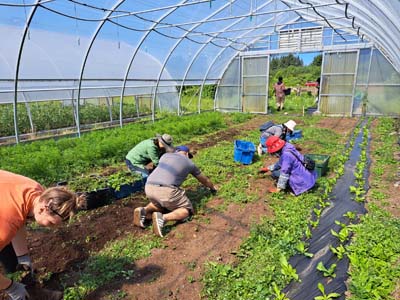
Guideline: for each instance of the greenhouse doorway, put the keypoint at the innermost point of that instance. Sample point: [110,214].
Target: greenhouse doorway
[254,92]
[301,73]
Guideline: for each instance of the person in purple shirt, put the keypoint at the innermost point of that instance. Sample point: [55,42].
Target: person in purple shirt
[289,169]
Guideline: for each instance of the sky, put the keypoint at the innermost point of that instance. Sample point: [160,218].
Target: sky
[308,57]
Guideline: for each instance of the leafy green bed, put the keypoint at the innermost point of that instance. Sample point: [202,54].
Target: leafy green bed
[51,161]
[375,250]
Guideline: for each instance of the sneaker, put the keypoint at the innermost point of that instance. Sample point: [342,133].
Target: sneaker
[139,216]
[158,223]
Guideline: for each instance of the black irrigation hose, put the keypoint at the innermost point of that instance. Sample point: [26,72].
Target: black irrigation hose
[319,244]
[349,17]
[144,30]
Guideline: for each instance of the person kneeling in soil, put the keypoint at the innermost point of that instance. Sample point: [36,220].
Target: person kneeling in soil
[279,130]
[289,170]
[22,197]
[146,152]
[164,192]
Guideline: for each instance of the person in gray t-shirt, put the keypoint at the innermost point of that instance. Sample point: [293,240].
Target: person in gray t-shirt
[164,192]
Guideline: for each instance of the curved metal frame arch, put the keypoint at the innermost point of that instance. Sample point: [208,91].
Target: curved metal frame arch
[202,47]
[372,29]
[376,36]
[382,41]
[222,50]
[21,47]
[85,60]
[176,45]
[134,55]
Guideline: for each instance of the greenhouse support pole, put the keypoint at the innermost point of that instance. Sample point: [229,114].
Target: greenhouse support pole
[28,110]
[216,93]
[180,40]
[354,83]
[21,47]
[216,34]
[110,12]
[223,49]
[225,29]
[128,68]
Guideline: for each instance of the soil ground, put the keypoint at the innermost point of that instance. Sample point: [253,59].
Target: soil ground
[166,273]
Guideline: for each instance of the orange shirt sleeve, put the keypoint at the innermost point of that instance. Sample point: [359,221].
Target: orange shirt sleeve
[17,195]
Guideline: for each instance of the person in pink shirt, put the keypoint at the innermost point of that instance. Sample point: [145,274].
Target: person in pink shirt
[21,198]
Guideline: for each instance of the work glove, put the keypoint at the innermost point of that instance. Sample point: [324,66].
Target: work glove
[213,191]
[17,291]
[25,264]
[263,170]
[273,190]
[25,261]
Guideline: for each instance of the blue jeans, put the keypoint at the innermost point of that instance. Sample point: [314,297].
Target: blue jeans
[135,169]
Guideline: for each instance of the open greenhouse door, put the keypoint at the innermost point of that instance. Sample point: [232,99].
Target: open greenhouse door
[337,83]
[254,91]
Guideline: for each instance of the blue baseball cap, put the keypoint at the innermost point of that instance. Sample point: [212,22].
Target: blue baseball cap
[184,149]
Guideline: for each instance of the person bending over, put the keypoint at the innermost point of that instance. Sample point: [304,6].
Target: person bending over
[164,192]
[279,130]
[20,199]
[289,170]
[146,152]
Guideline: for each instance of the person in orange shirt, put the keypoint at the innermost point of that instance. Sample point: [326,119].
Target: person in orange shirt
[20,198]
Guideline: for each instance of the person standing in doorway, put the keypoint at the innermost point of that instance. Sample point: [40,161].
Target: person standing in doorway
[279,90]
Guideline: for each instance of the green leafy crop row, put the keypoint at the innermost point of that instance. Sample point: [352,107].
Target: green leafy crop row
[57,160]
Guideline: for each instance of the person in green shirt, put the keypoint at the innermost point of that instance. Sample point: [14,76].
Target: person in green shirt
[148,151]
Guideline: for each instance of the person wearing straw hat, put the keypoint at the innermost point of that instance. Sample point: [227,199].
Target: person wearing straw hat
[279,130]
[289,170]
[168,201]
[148,151]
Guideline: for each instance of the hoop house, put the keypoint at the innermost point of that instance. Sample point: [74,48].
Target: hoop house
[79,65]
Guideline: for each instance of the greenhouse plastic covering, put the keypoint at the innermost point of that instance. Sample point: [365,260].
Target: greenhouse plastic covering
[148,45]
[77,51]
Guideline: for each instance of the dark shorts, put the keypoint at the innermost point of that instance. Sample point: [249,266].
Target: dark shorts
[168,197]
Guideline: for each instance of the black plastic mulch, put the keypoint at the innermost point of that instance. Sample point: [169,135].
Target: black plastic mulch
[341,202]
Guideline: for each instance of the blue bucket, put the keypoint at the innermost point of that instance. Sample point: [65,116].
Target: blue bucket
[244,152]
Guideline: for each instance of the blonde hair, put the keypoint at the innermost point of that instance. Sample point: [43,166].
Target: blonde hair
[63,202]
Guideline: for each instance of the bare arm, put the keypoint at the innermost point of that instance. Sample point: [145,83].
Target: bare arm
[205,181]
[19,242]
[4,282]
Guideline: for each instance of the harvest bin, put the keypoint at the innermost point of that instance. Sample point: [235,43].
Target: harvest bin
[321,163]
[127,189]
[297,134]
[244,152]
